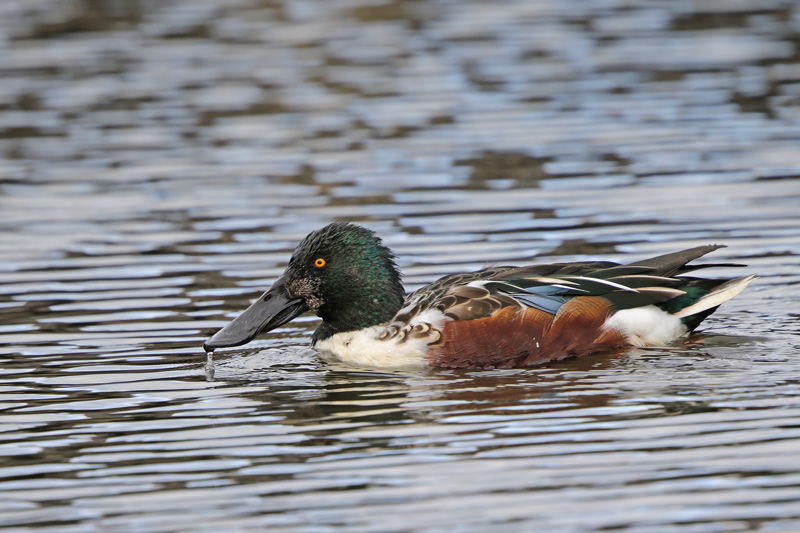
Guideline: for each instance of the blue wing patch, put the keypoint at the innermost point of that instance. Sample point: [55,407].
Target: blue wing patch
[547,297]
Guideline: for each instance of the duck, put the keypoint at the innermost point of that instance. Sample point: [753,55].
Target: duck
[497,317]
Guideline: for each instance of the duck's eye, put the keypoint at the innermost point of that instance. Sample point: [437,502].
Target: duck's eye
[319,263]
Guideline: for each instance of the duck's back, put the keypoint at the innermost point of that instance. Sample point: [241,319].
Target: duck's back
[516,317]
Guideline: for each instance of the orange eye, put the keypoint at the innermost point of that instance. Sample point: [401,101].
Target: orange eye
[319,263]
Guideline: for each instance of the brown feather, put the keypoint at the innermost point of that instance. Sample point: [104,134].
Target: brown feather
[515,336]
[467,291]
[577,329]
[492,341]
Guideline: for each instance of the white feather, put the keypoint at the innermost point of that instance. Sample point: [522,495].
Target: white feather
[365,348]
[606,282]
[719,295]
[434,317]
[647,326]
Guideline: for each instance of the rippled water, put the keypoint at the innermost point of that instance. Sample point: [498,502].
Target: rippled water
[160,160]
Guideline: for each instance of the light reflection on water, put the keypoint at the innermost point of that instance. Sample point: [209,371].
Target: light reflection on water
[159,163]
[659,430]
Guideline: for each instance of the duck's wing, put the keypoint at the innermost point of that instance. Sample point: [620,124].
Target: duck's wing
[506,316]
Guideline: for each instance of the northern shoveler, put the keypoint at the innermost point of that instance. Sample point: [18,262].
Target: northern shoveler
[501,316]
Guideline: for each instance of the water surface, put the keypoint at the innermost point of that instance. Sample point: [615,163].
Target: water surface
[160,160]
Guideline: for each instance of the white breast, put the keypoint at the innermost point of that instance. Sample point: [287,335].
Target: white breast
[362,348]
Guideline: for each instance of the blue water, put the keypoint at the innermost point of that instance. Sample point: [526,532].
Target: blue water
[159,162]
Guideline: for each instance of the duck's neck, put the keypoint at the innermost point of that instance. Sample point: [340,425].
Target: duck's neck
[374,302]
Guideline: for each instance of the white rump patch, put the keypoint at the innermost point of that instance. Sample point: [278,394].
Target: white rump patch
[647,326]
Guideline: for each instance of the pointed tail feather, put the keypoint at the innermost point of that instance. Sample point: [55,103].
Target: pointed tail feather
[721,293]
[669,264]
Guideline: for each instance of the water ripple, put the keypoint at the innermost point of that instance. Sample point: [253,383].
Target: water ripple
[159,163]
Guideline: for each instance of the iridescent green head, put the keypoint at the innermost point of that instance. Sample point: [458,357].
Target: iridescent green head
[342,272]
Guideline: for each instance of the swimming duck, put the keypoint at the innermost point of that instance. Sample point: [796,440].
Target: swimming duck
[501,316]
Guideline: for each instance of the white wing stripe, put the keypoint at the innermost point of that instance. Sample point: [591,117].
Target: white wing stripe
[606,282]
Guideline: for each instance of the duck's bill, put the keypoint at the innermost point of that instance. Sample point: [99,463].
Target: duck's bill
[277,306]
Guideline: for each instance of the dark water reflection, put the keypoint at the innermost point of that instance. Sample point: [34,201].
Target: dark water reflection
[159,161]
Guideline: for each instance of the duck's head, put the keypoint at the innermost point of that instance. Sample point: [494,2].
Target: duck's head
[342,272]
